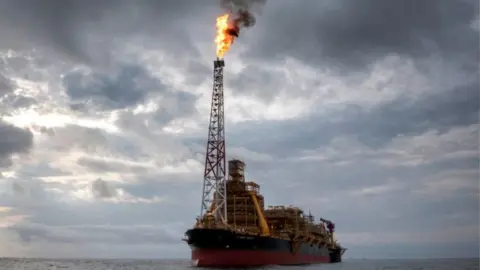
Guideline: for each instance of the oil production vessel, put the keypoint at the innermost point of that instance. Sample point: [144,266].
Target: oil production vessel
[234,228]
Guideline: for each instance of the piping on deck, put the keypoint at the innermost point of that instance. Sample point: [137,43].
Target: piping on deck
[263,222]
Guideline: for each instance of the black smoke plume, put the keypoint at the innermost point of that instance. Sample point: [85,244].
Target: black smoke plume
[243,13]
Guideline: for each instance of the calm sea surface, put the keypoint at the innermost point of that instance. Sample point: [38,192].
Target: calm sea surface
[41,264]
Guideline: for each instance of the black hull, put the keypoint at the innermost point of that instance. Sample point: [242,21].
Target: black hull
[212,246]
[336,255]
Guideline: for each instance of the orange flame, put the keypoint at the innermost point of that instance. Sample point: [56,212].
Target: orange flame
[223,40]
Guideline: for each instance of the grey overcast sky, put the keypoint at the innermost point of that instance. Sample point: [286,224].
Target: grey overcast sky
[365,112]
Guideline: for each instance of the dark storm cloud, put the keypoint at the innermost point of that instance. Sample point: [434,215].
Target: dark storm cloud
[197,72]
[174,186]
[13,140]
[373,127]
[171,105]
[177,105]
[102,189]
[129,87]
[11,102]
[27,194]
[14,63]
[86,31]
[5,85]
[264,83]
[347,32]
[17,188]
[132,85]
[50,22]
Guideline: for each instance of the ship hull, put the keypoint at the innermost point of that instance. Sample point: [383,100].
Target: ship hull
[225,248]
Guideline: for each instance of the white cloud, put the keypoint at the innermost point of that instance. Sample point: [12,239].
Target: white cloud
[380,189]
[434,146]
[403,150]
[446,183]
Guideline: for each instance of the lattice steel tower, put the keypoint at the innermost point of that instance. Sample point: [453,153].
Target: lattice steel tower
[214,196]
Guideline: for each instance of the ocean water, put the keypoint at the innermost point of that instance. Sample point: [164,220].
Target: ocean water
[43,264]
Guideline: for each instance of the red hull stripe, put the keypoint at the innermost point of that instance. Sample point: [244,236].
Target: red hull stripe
[246,258]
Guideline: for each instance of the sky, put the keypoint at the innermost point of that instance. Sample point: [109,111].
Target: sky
[364,112]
